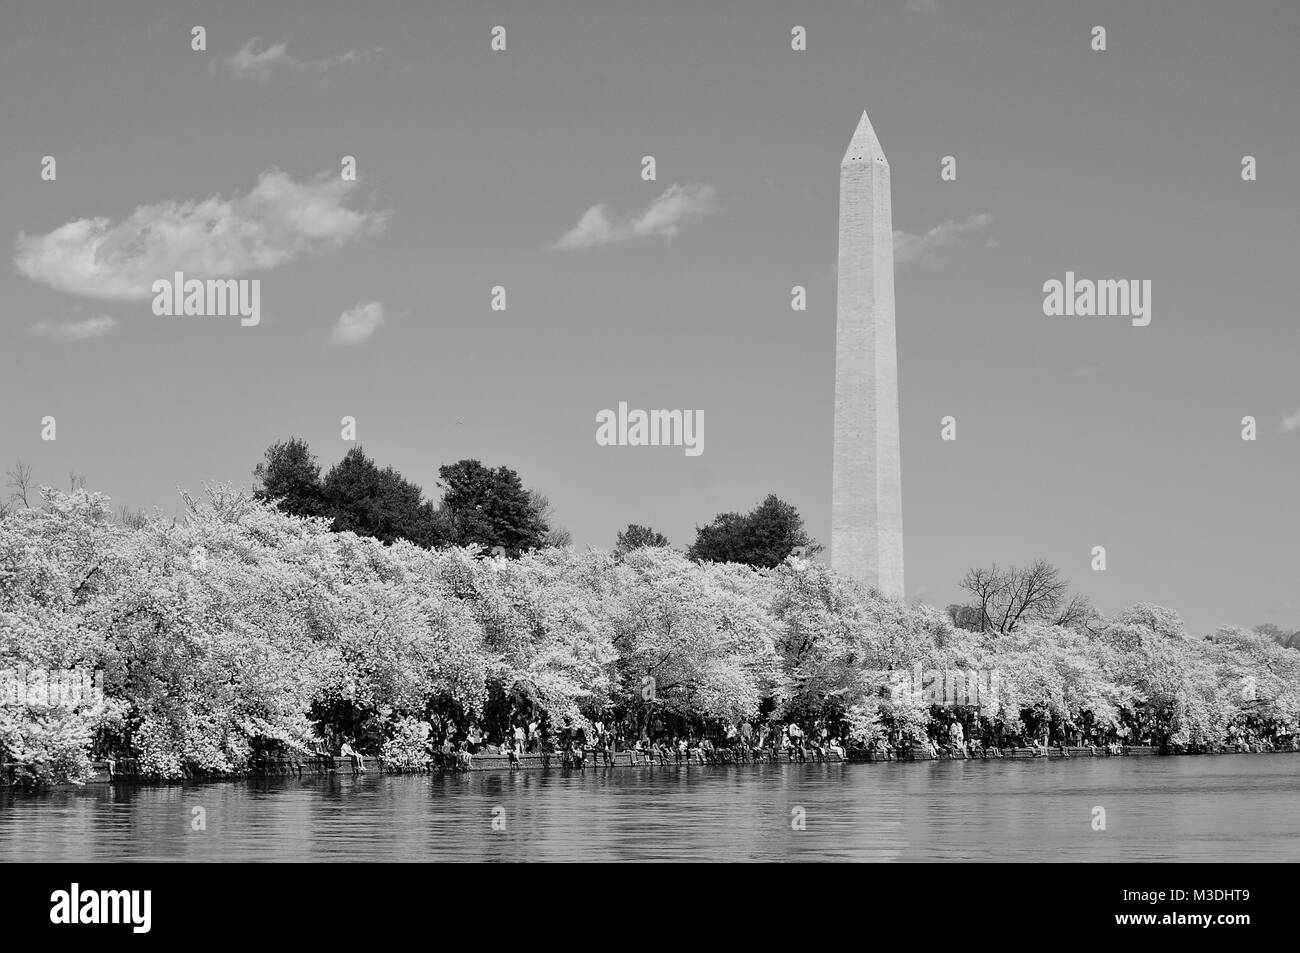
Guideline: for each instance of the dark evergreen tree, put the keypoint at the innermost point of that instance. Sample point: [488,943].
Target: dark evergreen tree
[290,478]
[637,536]
[763,537]
[487,507]
[368,501]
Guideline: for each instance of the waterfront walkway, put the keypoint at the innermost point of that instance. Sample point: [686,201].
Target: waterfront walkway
[125,772]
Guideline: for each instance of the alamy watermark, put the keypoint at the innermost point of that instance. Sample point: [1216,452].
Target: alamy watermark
[1105,297]
[75,906]
[216,297]
[651,428]
[64,688]
[948,688]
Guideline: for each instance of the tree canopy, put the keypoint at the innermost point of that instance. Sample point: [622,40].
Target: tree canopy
[762,537]
[636,537]
[1281,636]
[368,501]
[241,629]
[289,477]
[480,507]
[490,507]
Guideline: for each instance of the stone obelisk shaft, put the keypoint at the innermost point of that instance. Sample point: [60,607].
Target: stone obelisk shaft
[867,499]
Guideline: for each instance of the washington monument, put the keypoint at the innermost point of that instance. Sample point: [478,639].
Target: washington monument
[866,496]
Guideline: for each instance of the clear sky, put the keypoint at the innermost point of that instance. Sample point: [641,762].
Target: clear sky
[479,168]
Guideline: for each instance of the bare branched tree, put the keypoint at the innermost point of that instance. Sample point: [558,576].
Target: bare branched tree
[1005,599]
[987,586]
[1079,614]
[555,534]
[132,519]
[20,482]
[1033,593]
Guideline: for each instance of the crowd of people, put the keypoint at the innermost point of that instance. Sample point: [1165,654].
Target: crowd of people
[966,735]
[952,733]
[575,746]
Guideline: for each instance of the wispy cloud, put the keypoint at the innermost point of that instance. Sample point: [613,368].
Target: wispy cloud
[261,65]
[357,325]
[922,6]
[1087,370]
[909,248]
[1291,422]
[663,217]
[278,221]
[63,329]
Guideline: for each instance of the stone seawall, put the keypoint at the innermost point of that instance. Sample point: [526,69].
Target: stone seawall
[125,772]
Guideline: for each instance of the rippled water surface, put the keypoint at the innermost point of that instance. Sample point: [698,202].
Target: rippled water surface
[1229,807]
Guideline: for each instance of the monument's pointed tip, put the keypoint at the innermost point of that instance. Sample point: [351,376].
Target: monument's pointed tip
[864,146]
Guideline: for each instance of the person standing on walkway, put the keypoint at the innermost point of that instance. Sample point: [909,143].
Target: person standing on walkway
[957,737]
[358,763]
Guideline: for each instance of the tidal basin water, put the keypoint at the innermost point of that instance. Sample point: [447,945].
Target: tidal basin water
[1220,808]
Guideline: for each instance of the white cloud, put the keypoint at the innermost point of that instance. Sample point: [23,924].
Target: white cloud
[79,330]
[357,325]
[1291,422]
[922,6]
[664,216]
[909,248]
[278,221]
[251,63]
